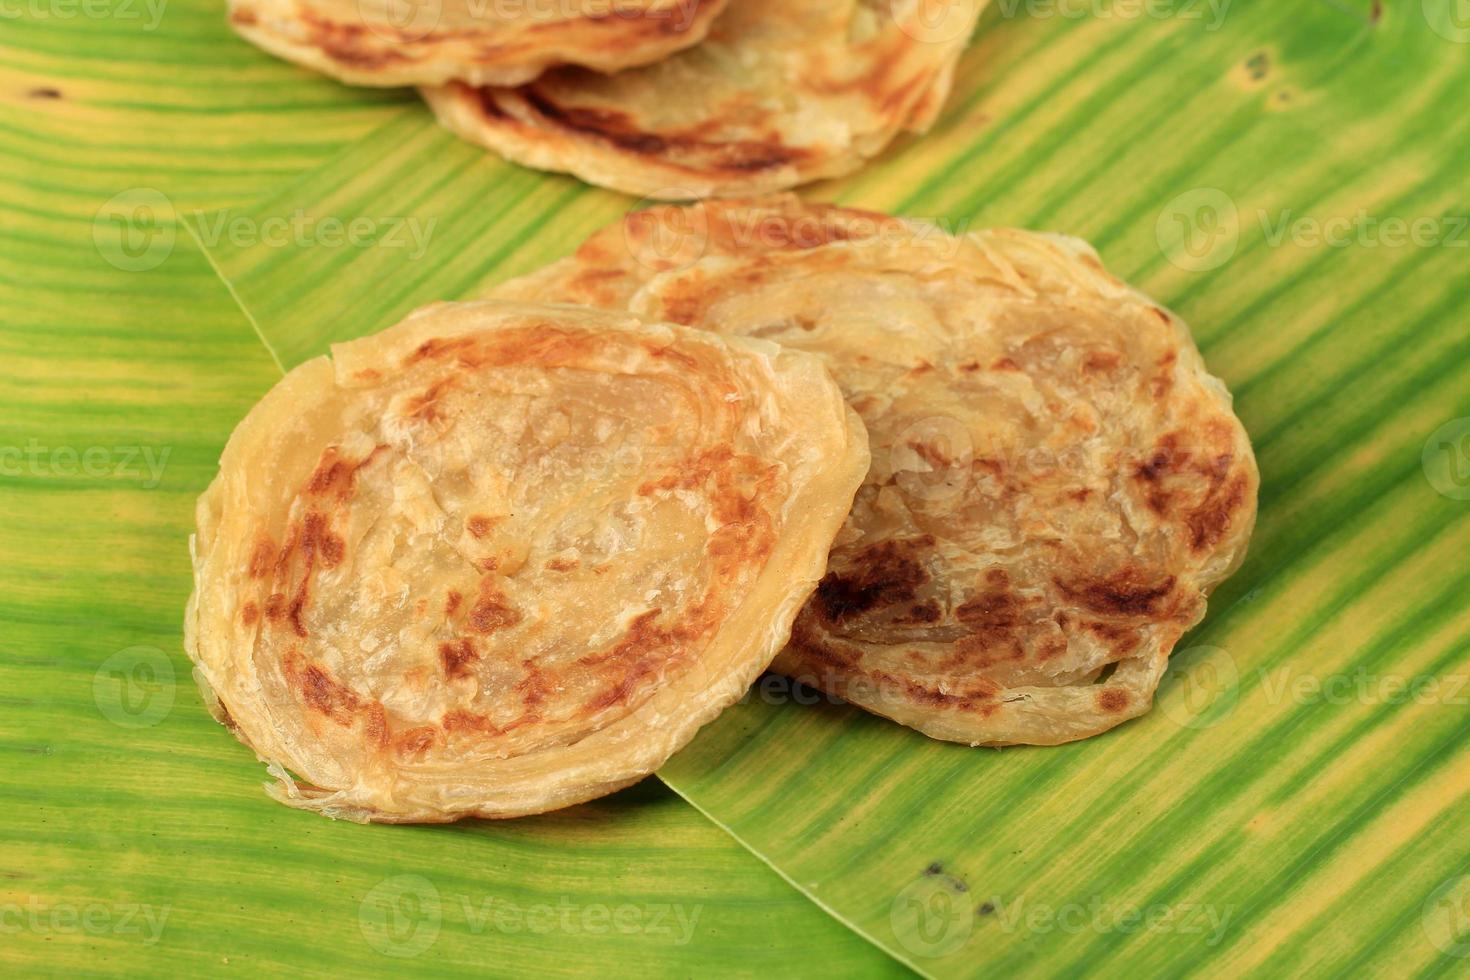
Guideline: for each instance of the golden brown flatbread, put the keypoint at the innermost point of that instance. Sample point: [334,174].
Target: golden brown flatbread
[480,42]
[1057,480]
[778,94]
[502,558]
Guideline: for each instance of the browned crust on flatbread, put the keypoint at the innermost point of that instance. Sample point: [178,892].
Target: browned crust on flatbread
[337,39]
[737,144]
[609,267]
[1061,641]
[393,564]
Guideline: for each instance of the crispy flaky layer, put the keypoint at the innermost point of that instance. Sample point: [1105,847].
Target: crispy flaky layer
[480,42]
[1057,481]
[778,94]
[502,558]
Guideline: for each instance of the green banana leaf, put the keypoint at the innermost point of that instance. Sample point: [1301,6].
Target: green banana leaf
[1291,178]
[134,836]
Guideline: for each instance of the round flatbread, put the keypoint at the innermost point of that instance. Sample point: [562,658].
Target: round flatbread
[502,558]
[615,262]
[480,42]
[1057,480]
[778,94]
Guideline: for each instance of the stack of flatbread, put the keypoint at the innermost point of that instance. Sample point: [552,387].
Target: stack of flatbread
[511,554]
[670,99]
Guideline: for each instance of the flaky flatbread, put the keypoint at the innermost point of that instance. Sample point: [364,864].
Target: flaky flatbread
[480,42]
[779,93]
[502,558]
[1057,480]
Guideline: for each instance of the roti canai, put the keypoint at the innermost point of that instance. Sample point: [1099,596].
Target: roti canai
[480,42]
[780,93]
[502,558]
[1057,481]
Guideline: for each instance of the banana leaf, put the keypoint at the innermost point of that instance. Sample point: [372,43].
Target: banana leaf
[1291,178]
[134,836]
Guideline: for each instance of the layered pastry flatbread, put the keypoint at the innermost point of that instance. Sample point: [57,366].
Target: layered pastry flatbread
[780,93]
[479,42]
[502,558]
[1057,481]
